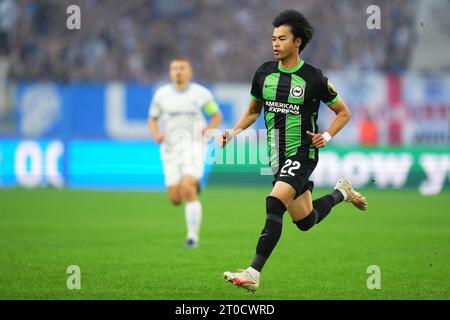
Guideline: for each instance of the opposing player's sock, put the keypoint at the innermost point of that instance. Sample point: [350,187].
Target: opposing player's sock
[271,232]
[193,215]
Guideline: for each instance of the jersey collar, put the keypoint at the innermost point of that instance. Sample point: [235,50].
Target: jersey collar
[292,70]
[182,91]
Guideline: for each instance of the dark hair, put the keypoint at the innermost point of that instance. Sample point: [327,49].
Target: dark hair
[300,26]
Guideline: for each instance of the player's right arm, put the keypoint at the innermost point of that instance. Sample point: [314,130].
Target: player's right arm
[154,130]
[153,113]
[248,118]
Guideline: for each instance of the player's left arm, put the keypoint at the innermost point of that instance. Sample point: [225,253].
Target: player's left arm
[213,111]
[343,115]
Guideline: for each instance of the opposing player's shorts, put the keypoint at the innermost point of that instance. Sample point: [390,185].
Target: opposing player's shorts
[295,171]
[187,160]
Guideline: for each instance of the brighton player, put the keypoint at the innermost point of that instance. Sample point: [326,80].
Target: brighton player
[176,122]
[290,90]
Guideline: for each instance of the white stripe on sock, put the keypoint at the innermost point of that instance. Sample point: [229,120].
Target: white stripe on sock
[344,193]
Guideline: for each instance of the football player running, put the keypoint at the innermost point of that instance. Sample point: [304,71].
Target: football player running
[289,91]
[177,123]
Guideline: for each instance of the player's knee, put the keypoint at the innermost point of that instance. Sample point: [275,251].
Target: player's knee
[308,222]
[275,206]
[176,201]
[189,192]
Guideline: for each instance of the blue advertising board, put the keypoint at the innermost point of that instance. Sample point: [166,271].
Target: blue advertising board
[89,111]
[89,164]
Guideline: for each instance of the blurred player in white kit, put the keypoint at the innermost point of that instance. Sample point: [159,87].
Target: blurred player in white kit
[177,123]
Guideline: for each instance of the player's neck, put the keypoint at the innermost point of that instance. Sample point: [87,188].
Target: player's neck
[290,62]
[181,86]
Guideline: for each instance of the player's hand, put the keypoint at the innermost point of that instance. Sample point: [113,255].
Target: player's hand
[224,138]
[317,139]
[159,138]
[206,133]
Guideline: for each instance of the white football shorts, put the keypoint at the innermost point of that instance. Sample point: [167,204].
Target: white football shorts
[182,160]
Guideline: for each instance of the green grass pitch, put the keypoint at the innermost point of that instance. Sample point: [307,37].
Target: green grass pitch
[130,246]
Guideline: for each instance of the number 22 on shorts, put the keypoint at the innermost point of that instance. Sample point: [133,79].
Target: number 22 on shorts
[288,167]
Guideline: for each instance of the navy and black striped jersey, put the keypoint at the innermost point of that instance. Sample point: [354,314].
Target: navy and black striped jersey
[291,103]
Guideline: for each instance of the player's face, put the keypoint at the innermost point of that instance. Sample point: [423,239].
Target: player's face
[283,43]
[180,71]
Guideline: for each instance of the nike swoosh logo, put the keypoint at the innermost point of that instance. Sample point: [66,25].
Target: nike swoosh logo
[264,234]
[268,86]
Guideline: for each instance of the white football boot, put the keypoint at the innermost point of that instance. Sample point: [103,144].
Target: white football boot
[351,195]
[242,279]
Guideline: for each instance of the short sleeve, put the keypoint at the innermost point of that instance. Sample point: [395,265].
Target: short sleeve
[327,92]
[155,106]
[256,91]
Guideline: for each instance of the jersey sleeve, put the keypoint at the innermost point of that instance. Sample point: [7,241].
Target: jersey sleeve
[327,92]
[210,106]
[256,91]
[154,110]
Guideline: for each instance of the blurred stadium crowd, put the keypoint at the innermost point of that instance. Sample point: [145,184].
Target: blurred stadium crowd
[133,40]
[395,79]
[65,94]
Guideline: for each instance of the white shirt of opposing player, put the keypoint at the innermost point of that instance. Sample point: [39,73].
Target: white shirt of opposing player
[180,118]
